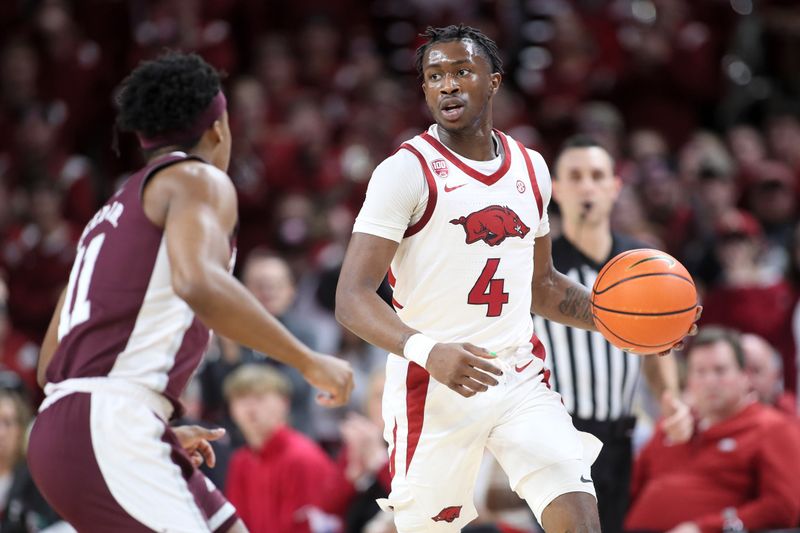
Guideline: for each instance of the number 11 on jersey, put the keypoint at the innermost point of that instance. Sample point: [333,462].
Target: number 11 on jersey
[77,308]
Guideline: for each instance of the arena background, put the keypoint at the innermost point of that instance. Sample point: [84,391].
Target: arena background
[698,101]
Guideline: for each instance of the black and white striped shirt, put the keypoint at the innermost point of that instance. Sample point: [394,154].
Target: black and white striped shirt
[596,380]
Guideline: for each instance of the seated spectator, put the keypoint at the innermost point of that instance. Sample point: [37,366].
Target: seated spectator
[18,353]
[22,507]
[274,480]
[764,367]
[270,280]
[363,464]
[744,455]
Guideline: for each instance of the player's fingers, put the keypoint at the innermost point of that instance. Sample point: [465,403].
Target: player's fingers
[479,376]
[197,459]
[693,330]
[478,351]
[483,364]
[462,390]
[207,453]
[698,313]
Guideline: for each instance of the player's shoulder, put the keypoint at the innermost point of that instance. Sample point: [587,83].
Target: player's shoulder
[403,160]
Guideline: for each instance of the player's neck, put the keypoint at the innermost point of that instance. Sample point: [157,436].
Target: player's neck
[476,144]
[593,241]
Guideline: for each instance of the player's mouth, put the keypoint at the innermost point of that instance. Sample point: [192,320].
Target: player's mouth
[452,109]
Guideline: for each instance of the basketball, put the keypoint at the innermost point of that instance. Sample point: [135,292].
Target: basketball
[644,301]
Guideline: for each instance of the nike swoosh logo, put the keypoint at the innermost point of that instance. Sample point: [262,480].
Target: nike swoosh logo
[584,480]
[523,367]
[451,189]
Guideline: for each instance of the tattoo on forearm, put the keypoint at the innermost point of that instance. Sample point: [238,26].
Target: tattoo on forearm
[576,305]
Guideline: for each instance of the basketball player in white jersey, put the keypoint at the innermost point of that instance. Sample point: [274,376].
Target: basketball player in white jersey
[458,218]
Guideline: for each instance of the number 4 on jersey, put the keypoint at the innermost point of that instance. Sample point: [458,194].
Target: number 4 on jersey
[489,291]
[76,308]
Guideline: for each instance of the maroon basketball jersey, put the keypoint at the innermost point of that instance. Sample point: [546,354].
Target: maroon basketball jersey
[121,317]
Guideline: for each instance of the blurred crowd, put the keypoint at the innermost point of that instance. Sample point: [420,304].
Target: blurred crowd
[698,101]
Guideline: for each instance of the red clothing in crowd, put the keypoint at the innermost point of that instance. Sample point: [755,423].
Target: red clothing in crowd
[765,311]
[269,488]
[340,492]
[750,461]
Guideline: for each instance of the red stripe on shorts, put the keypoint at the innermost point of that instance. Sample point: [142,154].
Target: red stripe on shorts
[416,392]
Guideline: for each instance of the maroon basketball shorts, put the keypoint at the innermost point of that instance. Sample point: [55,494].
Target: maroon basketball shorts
[106,462]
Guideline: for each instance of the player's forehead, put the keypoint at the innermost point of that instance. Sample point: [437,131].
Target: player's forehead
[453,53]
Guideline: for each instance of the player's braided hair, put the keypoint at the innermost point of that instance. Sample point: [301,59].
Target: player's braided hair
[459,33]
[166,94]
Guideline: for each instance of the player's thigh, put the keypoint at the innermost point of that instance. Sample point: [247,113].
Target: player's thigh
[536,439]
[436,441]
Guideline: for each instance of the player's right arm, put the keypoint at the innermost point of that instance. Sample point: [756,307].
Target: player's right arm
[196,205]
[49,344]
[392,198]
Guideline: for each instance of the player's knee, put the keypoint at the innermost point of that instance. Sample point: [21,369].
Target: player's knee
[574,512]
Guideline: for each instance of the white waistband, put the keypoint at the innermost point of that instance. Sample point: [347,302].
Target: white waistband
[101,385]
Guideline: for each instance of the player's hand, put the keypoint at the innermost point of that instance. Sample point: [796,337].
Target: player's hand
[464,368]
[195,440]
[333,376]
[692,332]
[677,422]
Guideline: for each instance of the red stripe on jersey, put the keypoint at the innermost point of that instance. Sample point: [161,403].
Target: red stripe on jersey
[539,351]
[392,279]
[532,175]
[432,193]
[392,467]
[396,304]
[416,392]
[487,179]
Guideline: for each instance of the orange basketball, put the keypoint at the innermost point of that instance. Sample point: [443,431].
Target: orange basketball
[644,301]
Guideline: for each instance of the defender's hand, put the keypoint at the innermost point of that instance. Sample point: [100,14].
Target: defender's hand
[194,440]
[465,368]
[333,376]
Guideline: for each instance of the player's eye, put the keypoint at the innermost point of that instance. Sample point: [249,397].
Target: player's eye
[463,71]
[434,77]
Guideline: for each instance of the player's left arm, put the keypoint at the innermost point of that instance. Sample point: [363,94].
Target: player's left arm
[555,296]
[49,344]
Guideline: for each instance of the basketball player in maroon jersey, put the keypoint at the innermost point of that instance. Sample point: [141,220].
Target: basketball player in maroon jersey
[152,275]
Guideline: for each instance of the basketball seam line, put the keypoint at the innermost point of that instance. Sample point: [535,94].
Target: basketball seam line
[637,276]
[665,313]
[608,266]
[672,342]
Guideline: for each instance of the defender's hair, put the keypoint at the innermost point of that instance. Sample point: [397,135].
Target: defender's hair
[166,94]
[459,33]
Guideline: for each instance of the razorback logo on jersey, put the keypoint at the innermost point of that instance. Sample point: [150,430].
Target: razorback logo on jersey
[440,167]
[492,225]
[448,514]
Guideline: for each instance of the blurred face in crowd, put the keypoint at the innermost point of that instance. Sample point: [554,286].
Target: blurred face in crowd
[715,382]
[585,186]
[763,367]
[459,85]
[10,432]
[746,144]
[258,415]
[270,281]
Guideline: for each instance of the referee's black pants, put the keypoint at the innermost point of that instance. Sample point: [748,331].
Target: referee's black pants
[611,472]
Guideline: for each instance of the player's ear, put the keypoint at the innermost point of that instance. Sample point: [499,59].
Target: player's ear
[494,82]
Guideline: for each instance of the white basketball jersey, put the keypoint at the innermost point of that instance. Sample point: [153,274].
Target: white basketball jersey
[463,272]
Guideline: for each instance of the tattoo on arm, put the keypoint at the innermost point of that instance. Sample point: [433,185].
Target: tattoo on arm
[576,304]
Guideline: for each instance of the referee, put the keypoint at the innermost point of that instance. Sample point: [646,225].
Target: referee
[595,379]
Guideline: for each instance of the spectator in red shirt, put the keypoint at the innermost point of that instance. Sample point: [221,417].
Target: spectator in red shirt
[744,457]
[275,481]
[764,367]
